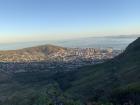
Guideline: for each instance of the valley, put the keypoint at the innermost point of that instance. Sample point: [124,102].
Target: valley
[109,82]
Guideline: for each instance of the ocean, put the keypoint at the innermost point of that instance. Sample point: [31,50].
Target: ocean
[93,42]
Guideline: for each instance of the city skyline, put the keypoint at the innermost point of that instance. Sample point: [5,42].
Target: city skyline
[37,20]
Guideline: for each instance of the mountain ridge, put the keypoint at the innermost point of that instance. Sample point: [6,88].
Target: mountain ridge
[121,72]
[114,82]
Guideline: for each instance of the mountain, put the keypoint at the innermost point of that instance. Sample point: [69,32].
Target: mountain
[114,82]
[119,77]
[39,53]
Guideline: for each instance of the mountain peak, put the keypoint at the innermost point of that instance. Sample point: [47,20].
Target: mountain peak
[44,48]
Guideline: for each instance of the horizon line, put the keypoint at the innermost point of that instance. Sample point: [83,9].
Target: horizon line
[66,39]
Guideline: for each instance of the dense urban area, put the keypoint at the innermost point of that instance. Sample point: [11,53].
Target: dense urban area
[51,59]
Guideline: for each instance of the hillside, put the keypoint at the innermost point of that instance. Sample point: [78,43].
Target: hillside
[38,53]
[115,81]
[121,74]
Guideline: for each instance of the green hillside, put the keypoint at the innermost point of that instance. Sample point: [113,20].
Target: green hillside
[115,82]
[121,73]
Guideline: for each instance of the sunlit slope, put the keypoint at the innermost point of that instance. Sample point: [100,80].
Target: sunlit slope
[39,53]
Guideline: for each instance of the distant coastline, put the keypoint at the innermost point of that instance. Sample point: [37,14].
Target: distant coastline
[115,42]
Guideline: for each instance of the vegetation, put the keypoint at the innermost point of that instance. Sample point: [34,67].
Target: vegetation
[115,82]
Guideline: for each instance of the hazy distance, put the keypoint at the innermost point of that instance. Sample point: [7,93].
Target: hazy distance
[115,42]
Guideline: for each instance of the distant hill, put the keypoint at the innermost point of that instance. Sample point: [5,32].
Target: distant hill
[38,53]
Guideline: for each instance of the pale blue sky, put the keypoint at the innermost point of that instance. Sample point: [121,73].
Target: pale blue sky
[35,20]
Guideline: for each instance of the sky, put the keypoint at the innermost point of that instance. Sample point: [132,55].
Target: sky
[36,20]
